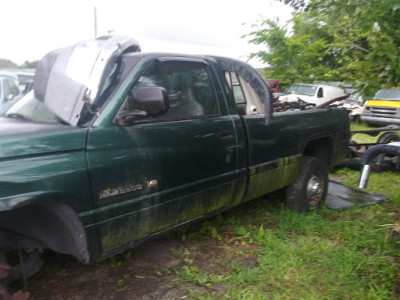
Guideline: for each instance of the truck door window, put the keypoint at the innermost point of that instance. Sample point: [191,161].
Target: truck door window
[238,94]
[246,99]
[320,93]
[189,87]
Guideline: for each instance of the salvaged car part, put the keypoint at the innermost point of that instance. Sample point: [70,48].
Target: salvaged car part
[370,154]
[67,78]
[330,102]
[300,104]
[382,161]
[340,196]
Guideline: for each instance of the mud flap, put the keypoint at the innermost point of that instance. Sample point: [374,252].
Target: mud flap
[340,196]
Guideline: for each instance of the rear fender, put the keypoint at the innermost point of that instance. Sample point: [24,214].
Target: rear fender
[321,148]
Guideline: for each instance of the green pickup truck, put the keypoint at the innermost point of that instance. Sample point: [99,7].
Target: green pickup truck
[114,146]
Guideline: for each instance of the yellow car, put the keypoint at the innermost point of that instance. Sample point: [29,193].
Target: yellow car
[384,108]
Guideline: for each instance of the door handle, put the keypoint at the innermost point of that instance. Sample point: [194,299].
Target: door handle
[225,135]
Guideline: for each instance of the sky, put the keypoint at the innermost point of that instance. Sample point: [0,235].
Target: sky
[31,28]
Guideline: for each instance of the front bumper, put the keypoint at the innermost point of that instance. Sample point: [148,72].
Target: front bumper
[380,121]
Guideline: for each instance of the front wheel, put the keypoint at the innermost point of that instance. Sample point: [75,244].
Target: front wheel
[310,187]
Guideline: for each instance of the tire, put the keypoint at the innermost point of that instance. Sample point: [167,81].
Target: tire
[388,137]
[309,189]
[380,163]
[32,263]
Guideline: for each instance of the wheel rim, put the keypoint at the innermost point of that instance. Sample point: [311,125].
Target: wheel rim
[315,188]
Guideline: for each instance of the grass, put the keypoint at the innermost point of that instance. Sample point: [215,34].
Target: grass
[326,254]
[348,254]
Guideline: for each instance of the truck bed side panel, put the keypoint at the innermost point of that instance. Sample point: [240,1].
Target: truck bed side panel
[275,150]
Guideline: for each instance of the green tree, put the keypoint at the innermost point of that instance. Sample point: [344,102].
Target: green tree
[29,64]
[7,64]
[302,55]
[356,41]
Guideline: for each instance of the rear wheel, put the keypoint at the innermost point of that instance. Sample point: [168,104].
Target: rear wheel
[310,187]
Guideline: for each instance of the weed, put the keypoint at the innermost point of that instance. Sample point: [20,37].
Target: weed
[325,254]
[121,282]
[118,260]
[393,231]
[181,252]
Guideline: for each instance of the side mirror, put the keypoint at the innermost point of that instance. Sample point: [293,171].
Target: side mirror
[153,100]
[146,101]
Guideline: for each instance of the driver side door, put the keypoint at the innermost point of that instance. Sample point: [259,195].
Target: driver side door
[165,170]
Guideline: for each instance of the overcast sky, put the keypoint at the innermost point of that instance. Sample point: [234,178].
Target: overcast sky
[31,28]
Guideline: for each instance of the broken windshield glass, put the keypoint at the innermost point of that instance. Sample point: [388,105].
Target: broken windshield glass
[31,109]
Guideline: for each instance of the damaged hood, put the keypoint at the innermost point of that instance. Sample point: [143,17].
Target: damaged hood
[67,78]
[20,139]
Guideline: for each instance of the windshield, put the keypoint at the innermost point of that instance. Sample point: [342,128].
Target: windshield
[393,94]
[30,109]
[301,89]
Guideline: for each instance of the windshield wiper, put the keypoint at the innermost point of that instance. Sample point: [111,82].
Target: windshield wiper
[17,116]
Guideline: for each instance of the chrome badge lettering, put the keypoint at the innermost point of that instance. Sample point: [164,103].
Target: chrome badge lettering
[152,183]
[119,191]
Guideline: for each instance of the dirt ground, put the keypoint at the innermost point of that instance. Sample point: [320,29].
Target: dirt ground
[139,275]
[145,272]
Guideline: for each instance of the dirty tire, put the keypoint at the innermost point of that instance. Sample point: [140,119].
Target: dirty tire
[388,137]
[32,263]
[310,187]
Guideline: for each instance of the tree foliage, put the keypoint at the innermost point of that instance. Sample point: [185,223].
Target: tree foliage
[29,64]
[7,64]
[357,41]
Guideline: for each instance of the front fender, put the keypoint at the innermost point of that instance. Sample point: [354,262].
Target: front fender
[52,225]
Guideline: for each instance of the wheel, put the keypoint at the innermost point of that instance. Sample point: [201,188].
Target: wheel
[388,137]
[310,187]
[383,161]
[31,263]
